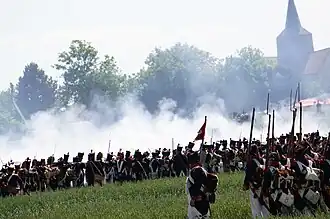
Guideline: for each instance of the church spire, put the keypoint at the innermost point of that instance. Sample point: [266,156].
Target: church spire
[295,43]
[292,18]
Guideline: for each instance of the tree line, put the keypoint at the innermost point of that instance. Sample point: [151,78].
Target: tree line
[182,73]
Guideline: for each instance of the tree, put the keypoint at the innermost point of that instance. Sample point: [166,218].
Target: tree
[246,79]
[109,79]
[77,64]
[9,118]
[181,73]
[35,91]
[85,76]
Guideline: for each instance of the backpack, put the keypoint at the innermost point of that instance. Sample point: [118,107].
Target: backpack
[211,183]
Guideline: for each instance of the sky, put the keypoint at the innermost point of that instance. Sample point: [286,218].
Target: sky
[37,30]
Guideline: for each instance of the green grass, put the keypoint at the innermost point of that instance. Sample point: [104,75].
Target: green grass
[152,199]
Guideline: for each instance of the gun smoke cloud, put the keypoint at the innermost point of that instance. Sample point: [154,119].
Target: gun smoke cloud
[129,127]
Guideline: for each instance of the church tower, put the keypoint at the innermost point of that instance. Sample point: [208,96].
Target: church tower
[294,44]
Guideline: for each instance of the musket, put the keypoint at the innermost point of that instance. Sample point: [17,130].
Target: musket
[298,88]
[300,121]
[268,140]
[267,112]
[273,131]
[291,143]
[300,114]
[251,132]
[327,145]
[294,114]
[291,99]
[295,97]
[267,104]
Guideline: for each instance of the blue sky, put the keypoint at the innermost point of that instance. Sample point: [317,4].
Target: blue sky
[37,30]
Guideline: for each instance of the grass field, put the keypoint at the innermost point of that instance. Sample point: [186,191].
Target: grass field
[149,199]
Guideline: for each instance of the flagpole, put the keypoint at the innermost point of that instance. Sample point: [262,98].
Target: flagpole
[201,134]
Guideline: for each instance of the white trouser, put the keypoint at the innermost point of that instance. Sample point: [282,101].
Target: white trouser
[194,214]
[258,211]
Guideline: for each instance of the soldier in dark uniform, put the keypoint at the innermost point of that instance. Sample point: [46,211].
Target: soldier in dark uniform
[200,188]
[253,181]
[121,170]
[180,162]
[277,194]
[302,169]
[325,167]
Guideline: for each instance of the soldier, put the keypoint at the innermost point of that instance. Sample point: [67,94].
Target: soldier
[121,168]
[15,183]
[154,165]
[307,182]
[180,162]
[253,181]
[325,167]
[276,187]
[200,188]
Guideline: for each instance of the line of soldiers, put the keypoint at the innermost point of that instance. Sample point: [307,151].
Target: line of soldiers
[292,178]
[295,179]
[41,175]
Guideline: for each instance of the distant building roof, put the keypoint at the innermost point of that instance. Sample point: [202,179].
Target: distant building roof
[309,102]
[317,61]
[302,31]
[313,102]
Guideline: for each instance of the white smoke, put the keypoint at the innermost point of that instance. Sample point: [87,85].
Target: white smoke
[135,128]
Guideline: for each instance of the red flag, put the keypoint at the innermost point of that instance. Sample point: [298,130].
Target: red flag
[201,132]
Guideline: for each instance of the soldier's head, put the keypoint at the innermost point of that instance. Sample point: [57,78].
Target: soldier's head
[193,158]
[299,151]
[274,159]
[137,154]
[166,153]
[120,155]
[254,151]
[127,154]
[109,157]
[179,149]
[191,145]
[204,147]
[217,145]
